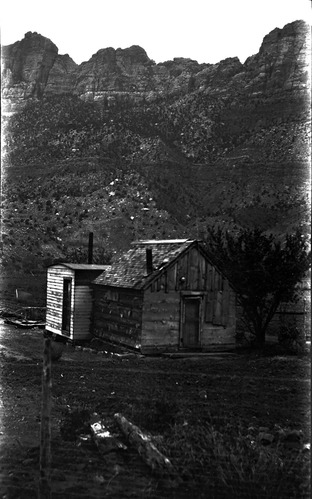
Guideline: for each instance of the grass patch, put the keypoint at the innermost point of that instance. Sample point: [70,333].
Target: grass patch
[155,415]
[232,461]
[223,457]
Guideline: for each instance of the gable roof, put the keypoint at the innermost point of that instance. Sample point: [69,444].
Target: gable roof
[130,270]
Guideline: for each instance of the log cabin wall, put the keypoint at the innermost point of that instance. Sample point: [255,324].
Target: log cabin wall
[55,288]
[191,279]
[160,321]
[117,315]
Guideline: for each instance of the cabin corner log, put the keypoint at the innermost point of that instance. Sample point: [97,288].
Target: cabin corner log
[145,447]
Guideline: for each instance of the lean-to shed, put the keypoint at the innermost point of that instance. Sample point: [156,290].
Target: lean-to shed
[69,299]
[165,295]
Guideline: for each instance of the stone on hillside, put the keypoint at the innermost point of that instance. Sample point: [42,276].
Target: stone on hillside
[266,438]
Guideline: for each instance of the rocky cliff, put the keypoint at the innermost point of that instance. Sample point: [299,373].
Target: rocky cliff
[33,68]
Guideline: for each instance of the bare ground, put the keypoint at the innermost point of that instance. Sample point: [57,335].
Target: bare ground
[223,389]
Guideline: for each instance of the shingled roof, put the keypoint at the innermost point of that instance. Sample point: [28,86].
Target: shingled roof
[130,271]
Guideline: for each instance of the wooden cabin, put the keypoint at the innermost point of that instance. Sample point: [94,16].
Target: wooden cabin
[165,296]
[69,299]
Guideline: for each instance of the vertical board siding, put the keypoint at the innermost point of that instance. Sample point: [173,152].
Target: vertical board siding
[83,311]
[161,326]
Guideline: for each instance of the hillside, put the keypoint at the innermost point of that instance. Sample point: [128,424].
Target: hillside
[128,149]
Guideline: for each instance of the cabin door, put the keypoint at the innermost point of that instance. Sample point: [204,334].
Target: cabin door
[191,322]
[66,311]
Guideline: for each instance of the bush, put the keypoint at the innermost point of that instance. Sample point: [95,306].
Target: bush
[291,338]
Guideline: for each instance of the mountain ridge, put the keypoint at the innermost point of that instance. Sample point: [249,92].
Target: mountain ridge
[135,152]
[33,68]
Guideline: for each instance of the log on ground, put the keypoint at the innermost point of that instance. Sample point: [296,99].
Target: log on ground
[144,445]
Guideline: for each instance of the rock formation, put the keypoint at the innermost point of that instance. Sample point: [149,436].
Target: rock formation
[33,68]
[27,65]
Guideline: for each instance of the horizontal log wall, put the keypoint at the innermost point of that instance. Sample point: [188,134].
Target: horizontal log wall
[55,280]
[160,321]
[117,315]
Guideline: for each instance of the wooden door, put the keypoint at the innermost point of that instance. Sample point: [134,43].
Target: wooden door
[66,311]
[191,322]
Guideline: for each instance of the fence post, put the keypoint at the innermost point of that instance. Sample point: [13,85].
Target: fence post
[45,427]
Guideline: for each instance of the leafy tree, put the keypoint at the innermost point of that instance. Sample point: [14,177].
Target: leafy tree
[263,269]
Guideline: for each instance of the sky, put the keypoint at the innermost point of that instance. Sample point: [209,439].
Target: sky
[204,30]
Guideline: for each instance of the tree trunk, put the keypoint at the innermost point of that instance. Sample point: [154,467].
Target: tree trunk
[260,338]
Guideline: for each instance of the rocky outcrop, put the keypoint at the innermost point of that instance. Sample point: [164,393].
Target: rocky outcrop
[62,76]
[33,68]
[111,70]
[27,65]
[281,64]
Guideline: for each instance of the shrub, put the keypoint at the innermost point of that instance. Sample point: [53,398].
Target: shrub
[291,338]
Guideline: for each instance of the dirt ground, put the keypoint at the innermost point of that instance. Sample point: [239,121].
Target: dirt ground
[262,391]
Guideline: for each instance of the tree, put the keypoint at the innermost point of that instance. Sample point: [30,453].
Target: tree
[263,269]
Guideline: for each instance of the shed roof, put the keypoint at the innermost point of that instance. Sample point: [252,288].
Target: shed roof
[81,266]
[130,271]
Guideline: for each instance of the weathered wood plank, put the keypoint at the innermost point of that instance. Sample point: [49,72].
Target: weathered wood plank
[214,335]
[54,299]
[171,278]
[53,329]
[193,269]
[54,317]
[209,286]
[217,316]
[145,447]
[209,303]
[63,271]
[161,297]
[225,303]
[116,336]
[202,273]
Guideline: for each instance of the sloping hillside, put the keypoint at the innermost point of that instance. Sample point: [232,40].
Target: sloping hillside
[229,147]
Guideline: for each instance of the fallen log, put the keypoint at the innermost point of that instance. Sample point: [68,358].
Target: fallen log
[144,445]
[103,438]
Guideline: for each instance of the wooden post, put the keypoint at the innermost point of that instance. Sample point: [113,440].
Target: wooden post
[45,428]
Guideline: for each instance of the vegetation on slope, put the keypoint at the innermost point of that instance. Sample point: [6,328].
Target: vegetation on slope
[167,168]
